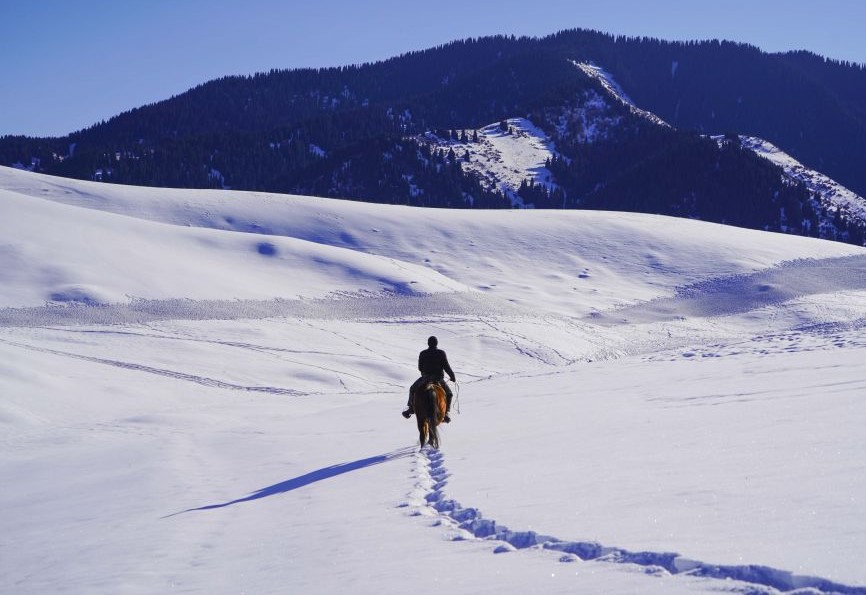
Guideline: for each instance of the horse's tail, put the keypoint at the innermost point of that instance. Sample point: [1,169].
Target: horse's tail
[433,414]
[433,427]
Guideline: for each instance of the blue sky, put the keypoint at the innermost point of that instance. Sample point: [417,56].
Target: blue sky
[68,64]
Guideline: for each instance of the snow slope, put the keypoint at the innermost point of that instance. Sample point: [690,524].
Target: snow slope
[109,258]
[184,409]
[591,260]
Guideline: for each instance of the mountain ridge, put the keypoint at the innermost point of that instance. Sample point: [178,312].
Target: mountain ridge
[357,131]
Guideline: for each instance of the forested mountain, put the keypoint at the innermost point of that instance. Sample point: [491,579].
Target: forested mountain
[361,132]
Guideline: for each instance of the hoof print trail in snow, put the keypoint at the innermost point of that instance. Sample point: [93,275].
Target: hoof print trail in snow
[432,477]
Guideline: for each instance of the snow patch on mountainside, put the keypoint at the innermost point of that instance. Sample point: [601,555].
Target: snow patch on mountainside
[606,80]
[588,120]
[591,116]
[503,159]
[838,211]
[831,194]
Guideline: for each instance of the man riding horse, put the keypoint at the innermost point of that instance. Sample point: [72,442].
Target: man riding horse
[433,365]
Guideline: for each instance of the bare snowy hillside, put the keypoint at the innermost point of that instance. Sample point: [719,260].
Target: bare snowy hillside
[200,391]
[503,157]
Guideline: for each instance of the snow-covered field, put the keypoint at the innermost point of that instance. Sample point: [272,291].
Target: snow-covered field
[200,393]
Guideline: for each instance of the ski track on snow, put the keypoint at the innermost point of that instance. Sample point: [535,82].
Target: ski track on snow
[203,380]
[428,498]
[265,349]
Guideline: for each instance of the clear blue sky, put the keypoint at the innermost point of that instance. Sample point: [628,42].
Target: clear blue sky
[65,64]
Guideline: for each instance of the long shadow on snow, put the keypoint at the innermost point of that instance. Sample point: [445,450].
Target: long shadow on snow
[308,478]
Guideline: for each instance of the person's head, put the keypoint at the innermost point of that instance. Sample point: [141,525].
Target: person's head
[432,342]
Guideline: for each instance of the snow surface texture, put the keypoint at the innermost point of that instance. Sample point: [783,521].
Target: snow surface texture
[200,392]
[504,159]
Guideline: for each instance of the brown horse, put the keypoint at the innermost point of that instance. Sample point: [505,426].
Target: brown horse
[429,405]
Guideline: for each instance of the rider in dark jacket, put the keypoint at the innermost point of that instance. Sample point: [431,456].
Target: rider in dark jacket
[433,365]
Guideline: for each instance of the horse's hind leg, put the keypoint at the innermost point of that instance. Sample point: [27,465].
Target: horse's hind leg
[434,432]
[422,433]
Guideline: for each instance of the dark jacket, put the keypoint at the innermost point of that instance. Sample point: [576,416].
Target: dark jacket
[434,363]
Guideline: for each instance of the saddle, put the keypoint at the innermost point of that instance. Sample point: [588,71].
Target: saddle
[423,383]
